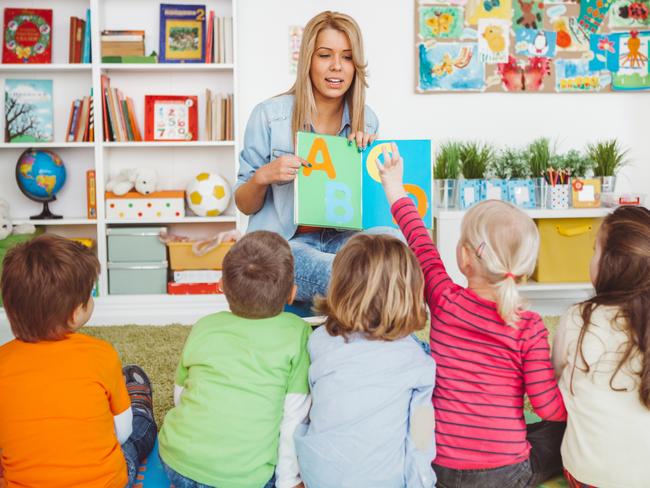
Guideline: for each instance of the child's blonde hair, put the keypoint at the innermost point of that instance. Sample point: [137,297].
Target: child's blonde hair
[376,289]
[504,242]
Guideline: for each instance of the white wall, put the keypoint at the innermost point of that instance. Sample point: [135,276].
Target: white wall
[501,118]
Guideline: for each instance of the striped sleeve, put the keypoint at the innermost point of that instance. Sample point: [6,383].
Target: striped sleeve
[539,378]
[410,223]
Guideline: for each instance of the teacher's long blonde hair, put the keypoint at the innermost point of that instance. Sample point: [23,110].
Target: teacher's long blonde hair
[305,104]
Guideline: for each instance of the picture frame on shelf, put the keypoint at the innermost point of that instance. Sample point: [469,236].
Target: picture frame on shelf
[585,193]
[171,118]
[470,192]
[495,189]
[521,192]
[182,33]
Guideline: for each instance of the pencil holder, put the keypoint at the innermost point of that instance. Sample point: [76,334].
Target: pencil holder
[445,193]
[558,197]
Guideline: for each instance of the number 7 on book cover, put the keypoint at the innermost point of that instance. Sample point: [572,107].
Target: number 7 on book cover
[342,188]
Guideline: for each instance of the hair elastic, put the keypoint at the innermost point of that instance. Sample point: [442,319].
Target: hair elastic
[480,249]
[510,275]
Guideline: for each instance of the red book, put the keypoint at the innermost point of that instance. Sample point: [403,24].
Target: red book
[106,128]
[210,38]
[73,31]
[171,118]
[79,40]
[27,36]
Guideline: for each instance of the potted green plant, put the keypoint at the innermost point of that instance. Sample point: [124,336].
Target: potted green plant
[475,157]
[608,158]
[445,174]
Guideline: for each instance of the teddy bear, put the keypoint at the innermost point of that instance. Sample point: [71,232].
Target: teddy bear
[144,180]
[6,227]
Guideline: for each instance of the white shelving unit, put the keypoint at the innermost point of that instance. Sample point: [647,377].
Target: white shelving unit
[546,298]
[176,163]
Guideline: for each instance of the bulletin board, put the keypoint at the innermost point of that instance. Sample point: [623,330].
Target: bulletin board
[524,46]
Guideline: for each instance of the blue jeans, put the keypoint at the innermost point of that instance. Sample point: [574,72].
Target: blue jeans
[180,481]
[545,461]
[314,253]
[139,444]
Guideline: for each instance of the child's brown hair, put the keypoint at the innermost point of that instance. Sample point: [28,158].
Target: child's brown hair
[258,275]
[43,281]
[623,281]
[376,289]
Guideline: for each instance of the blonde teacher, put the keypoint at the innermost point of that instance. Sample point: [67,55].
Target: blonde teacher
[328,97]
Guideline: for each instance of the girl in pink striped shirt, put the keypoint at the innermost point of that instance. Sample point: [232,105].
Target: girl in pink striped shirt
[489,351]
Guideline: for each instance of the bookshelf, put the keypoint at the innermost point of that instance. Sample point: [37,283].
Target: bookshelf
[175,162]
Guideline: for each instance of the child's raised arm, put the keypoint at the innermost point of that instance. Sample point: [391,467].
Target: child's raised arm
[539,379]
[410,223]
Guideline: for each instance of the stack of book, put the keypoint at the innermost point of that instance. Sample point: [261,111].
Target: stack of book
[118,114]
[219,40]
[195,282]
[79,43]
[81,127]
[219,117]
[122,43]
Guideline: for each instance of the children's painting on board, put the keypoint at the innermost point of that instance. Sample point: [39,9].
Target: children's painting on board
[626,14]
[531,43]
[493,40]
[527,14]
[518,75]
[574,75]
[450,67]
[441,21]
[488,9]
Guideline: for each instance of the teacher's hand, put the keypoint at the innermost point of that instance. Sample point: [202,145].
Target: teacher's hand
[281,170]
[362,139]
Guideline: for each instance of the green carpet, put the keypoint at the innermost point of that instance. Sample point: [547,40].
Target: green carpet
[157,349]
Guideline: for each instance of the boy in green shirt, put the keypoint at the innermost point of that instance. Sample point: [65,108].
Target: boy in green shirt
[241,386]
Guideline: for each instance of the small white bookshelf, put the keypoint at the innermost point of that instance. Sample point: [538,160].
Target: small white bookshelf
[176,163]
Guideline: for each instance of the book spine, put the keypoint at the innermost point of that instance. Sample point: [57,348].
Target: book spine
[113,115]
[73,35]
[209,44]
[91,118]
[134,124]
[127,121]
[120,114]
[86,48]
[67,130]
[83,121]
[208,114]
[75,121]
[105,82]
[91,194]
[79,38]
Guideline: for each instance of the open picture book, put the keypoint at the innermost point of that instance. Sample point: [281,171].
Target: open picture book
[342,188]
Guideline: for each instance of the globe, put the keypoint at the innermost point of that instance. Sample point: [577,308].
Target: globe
[40,175]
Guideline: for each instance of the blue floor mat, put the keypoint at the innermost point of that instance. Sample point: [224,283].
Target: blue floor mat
[151,473]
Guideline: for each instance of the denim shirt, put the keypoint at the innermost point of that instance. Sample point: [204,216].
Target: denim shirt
[268,136]
[365,394]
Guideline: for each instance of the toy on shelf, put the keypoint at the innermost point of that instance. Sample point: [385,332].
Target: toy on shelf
[208,195]
[6,227]
[40,175]
[142,180]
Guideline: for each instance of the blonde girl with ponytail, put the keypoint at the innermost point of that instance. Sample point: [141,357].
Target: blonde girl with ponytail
[489,350]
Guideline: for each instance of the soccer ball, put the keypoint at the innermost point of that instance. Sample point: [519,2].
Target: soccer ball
[208,195]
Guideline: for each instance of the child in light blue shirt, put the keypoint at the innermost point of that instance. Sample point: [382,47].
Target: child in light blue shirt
[371,422]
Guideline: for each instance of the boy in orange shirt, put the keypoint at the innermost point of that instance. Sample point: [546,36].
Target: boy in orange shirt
[69,415]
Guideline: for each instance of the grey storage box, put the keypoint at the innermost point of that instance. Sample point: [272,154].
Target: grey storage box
[135,244]
[144,278]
